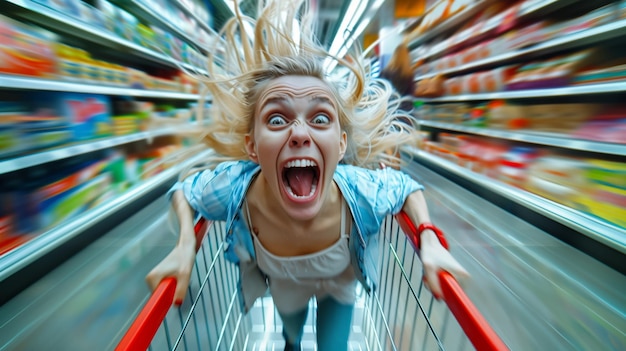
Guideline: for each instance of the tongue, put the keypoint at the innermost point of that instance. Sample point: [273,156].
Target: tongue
[300,180]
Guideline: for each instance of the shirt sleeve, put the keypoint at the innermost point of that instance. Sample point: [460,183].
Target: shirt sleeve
[208,192]
[395,186]
[385,190]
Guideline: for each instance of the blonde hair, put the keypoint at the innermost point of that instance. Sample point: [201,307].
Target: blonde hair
[367,106]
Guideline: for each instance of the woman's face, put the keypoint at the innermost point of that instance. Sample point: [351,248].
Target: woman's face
[298,142]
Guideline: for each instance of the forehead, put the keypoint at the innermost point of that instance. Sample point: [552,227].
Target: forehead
[292,86]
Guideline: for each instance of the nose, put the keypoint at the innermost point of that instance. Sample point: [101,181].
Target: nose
[299,134]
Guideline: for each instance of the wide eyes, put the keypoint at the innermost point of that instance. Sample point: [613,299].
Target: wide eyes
[278,120]
[320,119]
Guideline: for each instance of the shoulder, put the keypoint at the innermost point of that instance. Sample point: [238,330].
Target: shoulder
[236,168]
[359,176]
[226,175]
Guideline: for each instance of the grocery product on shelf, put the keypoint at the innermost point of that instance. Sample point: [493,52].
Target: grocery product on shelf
[25,50]
[47,196]
[88,115]
[609,125]
[591,185]
[554,72]
[23,129]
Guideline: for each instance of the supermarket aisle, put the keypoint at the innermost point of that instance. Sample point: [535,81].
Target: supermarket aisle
[487,108]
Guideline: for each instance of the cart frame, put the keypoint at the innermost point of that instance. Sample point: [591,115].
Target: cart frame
[152,315]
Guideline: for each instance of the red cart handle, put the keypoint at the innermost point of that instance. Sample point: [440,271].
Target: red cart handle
[477,329]
[147,323]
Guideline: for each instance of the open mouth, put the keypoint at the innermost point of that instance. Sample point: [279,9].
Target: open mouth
[300,178]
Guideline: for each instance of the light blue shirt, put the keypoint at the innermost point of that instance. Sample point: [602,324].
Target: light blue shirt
[371,195]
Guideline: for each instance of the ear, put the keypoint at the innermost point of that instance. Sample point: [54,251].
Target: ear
[250,148]
[343,145]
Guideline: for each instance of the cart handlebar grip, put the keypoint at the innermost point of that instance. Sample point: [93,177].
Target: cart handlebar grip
[477,329]
[147,323]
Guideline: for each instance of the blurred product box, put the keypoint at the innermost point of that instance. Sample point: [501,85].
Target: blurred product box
[22,130]
[26,50]
[557,178]
[88,114]
[606,193]
[514,163]
[71,202]
[553,73]
[559,118]
[47,196]
[607,126]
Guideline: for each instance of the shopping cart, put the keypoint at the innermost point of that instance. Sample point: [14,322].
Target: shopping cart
[400,315]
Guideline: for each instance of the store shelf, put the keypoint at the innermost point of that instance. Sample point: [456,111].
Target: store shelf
[591,89]
[576,40]
[195,17]
[548,139]
[148,15]
[27,83]
[59,22]
[449,24]
[40,158]
[529,9]
[37,247]
[595,228]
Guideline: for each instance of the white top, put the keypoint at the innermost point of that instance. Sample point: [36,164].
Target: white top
[294,280]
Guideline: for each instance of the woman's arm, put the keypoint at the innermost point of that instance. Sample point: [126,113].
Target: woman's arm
[179,262]
[433,255]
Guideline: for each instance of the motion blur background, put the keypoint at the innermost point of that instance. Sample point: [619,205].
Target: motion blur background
[522,150]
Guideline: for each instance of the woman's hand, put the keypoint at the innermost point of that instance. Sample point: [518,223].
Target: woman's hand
[436,258]
[178,264]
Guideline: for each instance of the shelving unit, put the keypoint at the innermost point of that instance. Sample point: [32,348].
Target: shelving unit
[67,151]
[28,83]
[572,41]
[69,26]
[527,11]
[593,227]
[46,242]
[539,138]
[148,15]
[75,231]
[605,88]
[450,23]
[601,231]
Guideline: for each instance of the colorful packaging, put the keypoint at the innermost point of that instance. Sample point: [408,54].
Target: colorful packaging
[26,50]
[88,114]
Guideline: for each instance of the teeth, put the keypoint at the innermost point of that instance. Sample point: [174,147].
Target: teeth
[301,163]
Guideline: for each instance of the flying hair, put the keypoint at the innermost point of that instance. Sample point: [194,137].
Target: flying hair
[275,45]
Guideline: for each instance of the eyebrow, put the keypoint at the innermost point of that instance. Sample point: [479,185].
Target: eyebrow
[282,100]
[323,99]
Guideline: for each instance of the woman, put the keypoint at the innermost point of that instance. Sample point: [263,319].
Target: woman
[297,180]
